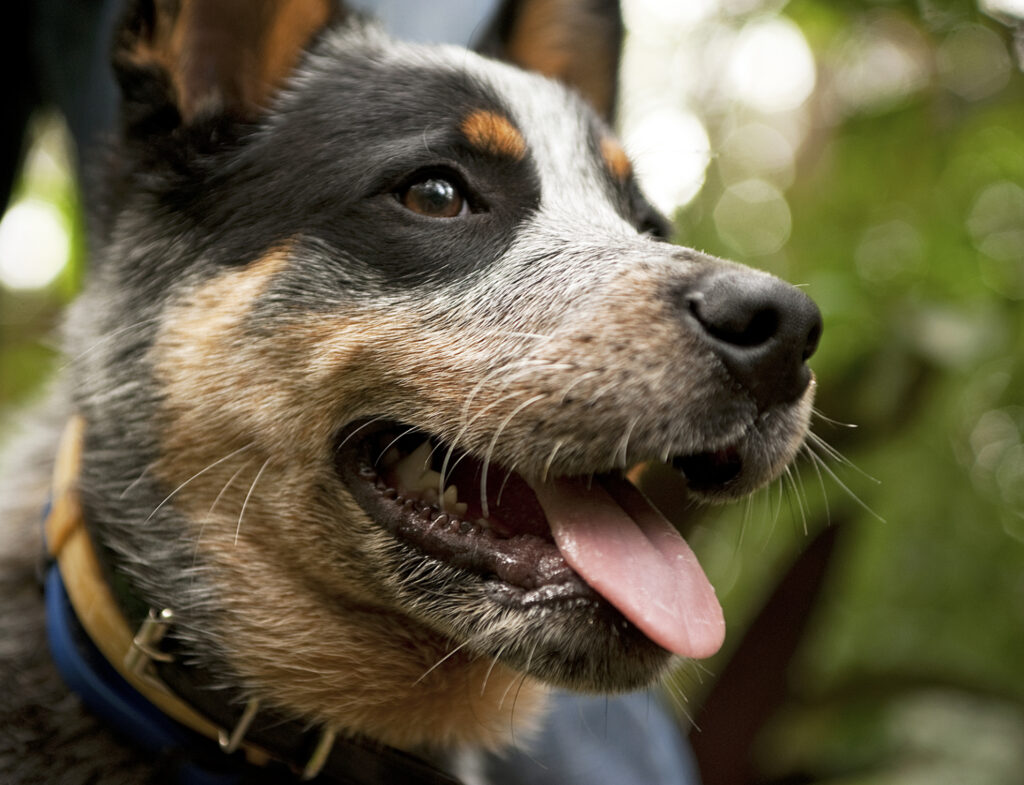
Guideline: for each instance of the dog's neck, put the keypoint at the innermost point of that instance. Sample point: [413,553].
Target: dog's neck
[142,687]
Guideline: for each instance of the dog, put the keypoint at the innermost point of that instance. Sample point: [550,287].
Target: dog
[375,344]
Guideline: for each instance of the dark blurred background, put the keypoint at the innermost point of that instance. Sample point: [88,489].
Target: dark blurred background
[872,152]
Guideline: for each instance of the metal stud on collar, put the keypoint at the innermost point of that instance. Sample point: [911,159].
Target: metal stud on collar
[321,753]
[231,742]
[144,650]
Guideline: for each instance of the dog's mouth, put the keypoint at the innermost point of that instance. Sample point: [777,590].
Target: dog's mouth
[592,538]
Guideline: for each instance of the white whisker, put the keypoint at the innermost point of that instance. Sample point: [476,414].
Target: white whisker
[838,457]
[392,443]
[128,488]
[551,459]
[791,479]
[441,661]
[245,503]
[581,378]
[105,340]
[624,448]
[821,416]
[357,430]
[835,478]
[493,444]
[209,513]
[504,482]
[194,476]
[806,449]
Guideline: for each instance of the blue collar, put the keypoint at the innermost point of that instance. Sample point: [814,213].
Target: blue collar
[105,692]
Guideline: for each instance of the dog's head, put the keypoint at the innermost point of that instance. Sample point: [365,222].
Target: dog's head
[337,277]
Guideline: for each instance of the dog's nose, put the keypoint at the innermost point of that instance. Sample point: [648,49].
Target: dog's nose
[762,329]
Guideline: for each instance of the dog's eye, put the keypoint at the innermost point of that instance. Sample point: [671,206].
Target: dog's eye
[435,197]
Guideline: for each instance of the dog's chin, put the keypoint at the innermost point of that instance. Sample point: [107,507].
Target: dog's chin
[475,558]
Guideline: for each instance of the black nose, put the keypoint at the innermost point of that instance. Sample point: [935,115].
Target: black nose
[761,328]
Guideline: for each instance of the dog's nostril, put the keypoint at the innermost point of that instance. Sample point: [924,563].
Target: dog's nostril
[762,329]
[736,325]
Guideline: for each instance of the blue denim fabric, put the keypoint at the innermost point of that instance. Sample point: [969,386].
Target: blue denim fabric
[619,740]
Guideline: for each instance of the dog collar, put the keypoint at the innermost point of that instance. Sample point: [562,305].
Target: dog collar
[135,683]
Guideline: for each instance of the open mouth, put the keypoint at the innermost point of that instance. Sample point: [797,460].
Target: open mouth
[593,538]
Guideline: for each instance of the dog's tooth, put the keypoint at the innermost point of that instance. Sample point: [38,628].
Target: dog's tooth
[429,495]
[459,508]
[428,481]
[450,498]
[391,458]
[411,467]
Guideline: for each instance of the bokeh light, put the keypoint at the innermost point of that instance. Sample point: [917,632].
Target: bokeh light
[772,67]
[35,245]
[672,151]
[753,217]
[882,61]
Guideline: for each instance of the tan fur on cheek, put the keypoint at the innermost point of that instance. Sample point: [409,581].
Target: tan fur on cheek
[233,382]
[309,618]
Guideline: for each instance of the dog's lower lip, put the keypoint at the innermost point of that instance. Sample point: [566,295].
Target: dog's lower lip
[521,559]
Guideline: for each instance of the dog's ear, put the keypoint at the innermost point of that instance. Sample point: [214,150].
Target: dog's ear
[189,59]
[575,41]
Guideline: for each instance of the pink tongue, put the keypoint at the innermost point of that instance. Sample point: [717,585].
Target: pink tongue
[634,558]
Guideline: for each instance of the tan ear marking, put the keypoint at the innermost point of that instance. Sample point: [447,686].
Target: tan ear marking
[293,26]
[223,55]
[615,158]
[494,133]
[571,41]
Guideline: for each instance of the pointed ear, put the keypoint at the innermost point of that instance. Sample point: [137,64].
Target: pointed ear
[207,57]
[575,41]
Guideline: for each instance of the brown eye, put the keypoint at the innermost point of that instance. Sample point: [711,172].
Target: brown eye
[434,198]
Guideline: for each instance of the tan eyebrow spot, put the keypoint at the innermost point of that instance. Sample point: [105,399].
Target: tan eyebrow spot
[615,159]
[494,133]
